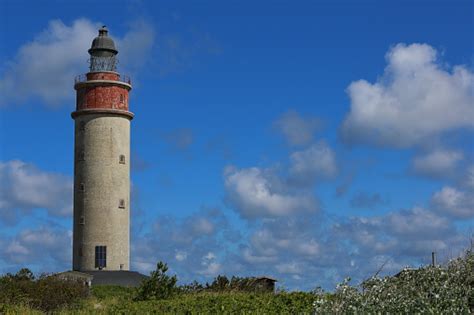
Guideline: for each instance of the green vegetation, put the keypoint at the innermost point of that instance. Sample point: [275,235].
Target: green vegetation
[44,294]
[428,290]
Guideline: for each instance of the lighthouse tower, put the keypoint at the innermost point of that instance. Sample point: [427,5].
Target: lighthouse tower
[101,231]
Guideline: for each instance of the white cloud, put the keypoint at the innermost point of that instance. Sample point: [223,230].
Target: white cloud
[316,162]
[45,249]
[468,180]
[202,226]
[296,129]
[453,202]
[180,256]
[415,223]
[257,193]
[25,187]
[209,266]
[415,100]
[289,268]
[439,163]
[45,67]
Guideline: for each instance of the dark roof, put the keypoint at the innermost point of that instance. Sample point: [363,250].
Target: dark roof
[120,277]
[266,278]
[103,44]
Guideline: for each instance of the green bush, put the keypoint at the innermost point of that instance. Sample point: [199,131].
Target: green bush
[222,303]
[103,292]
[47,293]
[158,286]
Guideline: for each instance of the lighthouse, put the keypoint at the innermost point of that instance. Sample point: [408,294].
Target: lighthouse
[101,228]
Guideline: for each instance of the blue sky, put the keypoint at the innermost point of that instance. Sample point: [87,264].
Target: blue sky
[308,141]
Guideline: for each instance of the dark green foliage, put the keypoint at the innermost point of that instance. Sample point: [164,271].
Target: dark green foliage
[223,303]
[223,284]
[158,286]
[103,292]
[46,293]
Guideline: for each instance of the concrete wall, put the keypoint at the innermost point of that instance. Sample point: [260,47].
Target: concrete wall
[100,182]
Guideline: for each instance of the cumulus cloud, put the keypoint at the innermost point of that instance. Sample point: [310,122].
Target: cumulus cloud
[405,236]
[25,187]
[256,192]
[316,162]
[45,67]
[453,202]
[335,248]
[296,129]
[189,244]
[45,249]
[437,164]
[416,99]
[468,180]
[209,265]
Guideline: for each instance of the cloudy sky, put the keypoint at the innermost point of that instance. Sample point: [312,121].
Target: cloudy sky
[308,141]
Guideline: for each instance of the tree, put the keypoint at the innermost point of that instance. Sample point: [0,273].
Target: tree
[159,285]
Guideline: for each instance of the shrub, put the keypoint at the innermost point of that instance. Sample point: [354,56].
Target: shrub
[222,303]
[158,286]
[430,289]
[103,292]
[47,293]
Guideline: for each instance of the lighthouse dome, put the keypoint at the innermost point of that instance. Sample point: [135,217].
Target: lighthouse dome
[103,45]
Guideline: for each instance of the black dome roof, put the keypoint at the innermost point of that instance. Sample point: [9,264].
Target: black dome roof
[103,45]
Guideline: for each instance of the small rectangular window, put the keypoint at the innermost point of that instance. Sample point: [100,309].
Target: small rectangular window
[121,98]
[82,187]
[82,220]
[80,251]
[122,204]
[122,159]
[82,126]
[100,257]
[81,156]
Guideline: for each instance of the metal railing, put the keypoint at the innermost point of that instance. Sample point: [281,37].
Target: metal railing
[121,78]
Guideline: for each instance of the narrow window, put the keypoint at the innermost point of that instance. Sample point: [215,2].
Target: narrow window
[122,204]
[80,250]
[82,220]
[122,159]
[82,187]
[121,266]
[82,126]
[100,257]
[82,156]
[121,98]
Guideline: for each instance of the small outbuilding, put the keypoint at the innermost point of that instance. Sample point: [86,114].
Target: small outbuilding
[84,278]
[264,284]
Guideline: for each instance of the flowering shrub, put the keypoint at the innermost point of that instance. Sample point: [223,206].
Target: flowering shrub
[435,290]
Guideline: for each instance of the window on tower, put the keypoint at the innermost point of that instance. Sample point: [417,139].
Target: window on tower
[82,220]
[82,187]
[121,98]
[100,257]
[122,159]
[82,126]
[122,204]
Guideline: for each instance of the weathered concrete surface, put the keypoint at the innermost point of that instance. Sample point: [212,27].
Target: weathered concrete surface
[100,182]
